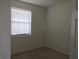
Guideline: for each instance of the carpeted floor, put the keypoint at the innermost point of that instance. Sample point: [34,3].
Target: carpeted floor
[42,53]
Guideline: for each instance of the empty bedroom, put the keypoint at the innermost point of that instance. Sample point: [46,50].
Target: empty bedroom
[40,29]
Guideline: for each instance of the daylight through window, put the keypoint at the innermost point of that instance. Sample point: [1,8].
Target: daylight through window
[20,21]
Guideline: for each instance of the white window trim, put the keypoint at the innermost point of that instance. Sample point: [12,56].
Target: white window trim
[19,35]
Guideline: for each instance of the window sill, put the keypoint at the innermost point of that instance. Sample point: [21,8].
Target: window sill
[21,35]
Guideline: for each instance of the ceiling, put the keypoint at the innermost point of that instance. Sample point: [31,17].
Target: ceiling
[44,3]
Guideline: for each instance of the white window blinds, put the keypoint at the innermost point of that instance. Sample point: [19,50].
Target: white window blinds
[20,21]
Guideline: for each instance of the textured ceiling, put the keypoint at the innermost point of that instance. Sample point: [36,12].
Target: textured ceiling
[44,3]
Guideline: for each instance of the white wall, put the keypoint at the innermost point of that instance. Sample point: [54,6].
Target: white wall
[20,44]
[4,29]
[58,27]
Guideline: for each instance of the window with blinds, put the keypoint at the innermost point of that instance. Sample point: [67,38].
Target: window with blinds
[20,21]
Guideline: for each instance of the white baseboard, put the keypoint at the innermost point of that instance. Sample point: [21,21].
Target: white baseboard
[19,51]
[24,50]
[60,51]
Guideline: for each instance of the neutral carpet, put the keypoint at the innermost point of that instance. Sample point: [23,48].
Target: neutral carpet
[42,53]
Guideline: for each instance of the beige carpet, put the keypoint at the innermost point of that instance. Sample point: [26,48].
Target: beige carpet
[42,53]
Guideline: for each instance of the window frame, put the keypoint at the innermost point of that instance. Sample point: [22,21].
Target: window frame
[17,35]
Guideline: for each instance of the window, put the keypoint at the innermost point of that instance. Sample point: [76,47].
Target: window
[20,21]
